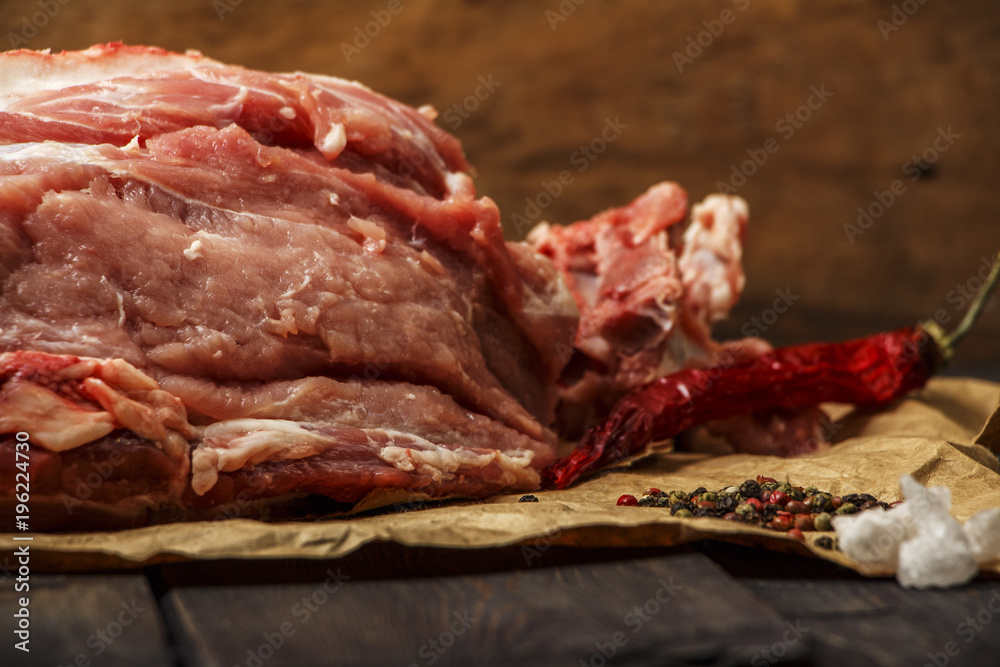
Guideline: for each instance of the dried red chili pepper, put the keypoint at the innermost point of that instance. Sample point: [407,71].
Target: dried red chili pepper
[868,372]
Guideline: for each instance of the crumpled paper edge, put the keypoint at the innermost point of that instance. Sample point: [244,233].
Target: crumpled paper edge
[989,436]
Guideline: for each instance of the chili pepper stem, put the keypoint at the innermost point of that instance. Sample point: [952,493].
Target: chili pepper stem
[947,342]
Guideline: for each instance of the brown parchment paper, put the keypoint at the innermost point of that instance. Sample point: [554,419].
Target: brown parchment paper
[931,435]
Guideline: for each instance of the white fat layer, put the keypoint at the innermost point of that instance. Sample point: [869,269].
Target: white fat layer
[334,141]
[229,445]
[52,149]
[59,424]
[25,74]
[428,112]
[374,235]
[713,251]
[232,444]
[441,463]
[119,298]
[54,422]
[295,290]
[459,184]
[194,251]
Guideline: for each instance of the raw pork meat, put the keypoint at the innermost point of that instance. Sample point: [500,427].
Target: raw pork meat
[218,282]
[224,286]
[649,283]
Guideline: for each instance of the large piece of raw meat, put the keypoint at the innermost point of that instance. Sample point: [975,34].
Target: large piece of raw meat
[221,285]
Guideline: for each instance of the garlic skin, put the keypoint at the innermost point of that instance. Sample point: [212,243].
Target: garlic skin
[983,532]
[920,539]
[932,561]
[872,538]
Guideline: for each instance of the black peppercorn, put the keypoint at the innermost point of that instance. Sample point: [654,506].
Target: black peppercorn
[822,521]
[750,489]
[822,502]
[727,503]
[859,499]
[847,508]
[825,542]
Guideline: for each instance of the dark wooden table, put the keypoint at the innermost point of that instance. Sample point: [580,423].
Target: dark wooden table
[705,603]
[708,603]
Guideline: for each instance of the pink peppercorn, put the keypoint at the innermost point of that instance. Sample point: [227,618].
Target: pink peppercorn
[779,498]
[628,501]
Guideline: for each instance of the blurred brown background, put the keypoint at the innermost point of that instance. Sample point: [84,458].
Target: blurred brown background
[809,109]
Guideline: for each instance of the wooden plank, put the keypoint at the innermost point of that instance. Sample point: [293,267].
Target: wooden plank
[877,622]
[87,621]
[680,607]
[390,560]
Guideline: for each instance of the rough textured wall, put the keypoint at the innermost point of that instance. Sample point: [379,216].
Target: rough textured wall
[697,91]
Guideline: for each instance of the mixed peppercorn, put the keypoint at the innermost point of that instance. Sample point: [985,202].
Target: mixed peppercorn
[762,502]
